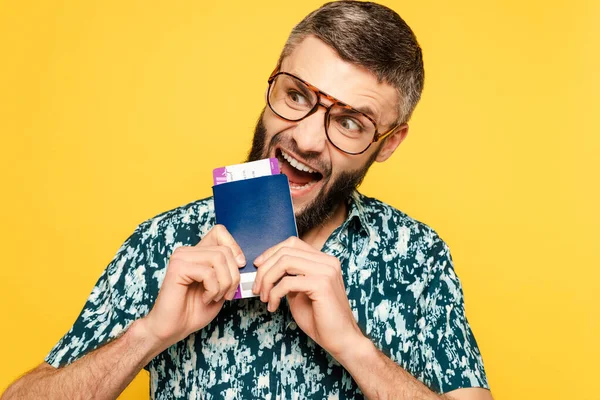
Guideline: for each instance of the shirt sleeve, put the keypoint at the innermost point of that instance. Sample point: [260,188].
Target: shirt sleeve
[118,298]
[451,357]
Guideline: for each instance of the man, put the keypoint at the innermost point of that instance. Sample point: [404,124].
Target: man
[364,303]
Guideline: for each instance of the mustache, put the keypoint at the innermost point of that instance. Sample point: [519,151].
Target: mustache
[310,156]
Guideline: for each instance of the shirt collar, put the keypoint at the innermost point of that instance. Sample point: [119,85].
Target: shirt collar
[357,218]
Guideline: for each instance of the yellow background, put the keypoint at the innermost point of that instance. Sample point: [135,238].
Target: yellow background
[112,112]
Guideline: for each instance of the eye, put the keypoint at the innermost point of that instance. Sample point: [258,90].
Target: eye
[350,124]
[297,97]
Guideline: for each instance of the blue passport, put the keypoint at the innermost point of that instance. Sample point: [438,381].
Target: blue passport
[259,214]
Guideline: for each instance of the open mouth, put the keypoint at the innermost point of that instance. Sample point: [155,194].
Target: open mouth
[300,175]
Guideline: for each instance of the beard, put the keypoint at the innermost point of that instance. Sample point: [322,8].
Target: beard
[334,191]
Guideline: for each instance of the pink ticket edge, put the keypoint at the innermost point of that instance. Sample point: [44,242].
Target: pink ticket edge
[238,293]
[219,176]
[274,166]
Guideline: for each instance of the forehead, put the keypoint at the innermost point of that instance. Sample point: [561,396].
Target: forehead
[320,65]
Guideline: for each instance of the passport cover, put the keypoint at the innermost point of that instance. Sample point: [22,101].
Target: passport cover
[259,214]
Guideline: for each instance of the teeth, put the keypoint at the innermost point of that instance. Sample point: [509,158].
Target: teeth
[298,187]
[297,164]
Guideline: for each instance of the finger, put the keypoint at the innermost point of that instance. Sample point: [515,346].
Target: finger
[233,272]
[189,273]
[288,265]
[218,260]
[292,242]
[229,280]
[289,284]
[220,236]
[263,269]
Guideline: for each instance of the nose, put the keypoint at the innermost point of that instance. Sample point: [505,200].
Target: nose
[309,133]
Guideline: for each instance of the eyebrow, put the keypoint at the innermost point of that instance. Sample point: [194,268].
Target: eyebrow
[305,91]
[368,111]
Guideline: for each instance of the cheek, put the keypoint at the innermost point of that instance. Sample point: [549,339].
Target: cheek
[274,124]
[342,162]
[339,162]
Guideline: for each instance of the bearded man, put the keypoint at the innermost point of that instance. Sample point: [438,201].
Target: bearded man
[364,303]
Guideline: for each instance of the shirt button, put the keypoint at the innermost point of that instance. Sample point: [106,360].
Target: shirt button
[292,325]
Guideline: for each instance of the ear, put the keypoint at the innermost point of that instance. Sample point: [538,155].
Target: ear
[391,143]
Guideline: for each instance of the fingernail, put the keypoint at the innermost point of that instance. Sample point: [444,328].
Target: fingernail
[259,260]
[241,260]
[254,287]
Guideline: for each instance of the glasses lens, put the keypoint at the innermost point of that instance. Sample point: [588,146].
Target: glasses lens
[350,130]
[291,98]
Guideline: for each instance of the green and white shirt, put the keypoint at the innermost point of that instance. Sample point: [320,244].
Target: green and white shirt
[399,279]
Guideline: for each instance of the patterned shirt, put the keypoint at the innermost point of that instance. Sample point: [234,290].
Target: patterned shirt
[400,283]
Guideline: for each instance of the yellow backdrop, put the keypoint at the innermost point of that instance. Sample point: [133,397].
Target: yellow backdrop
[112,112]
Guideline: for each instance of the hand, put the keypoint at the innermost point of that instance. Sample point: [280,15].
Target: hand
[198,281]
[313,284]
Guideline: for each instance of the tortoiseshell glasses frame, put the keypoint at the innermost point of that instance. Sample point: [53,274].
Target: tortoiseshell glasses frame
[318,103]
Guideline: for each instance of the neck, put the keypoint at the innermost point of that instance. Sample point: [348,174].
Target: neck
[318,235]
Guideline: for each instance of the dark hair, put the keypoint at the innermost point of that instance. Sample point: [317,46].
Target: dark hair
[371,36]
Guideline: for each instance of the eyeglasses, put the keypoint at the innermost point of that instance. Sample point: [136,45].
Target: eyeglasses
[348,129]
